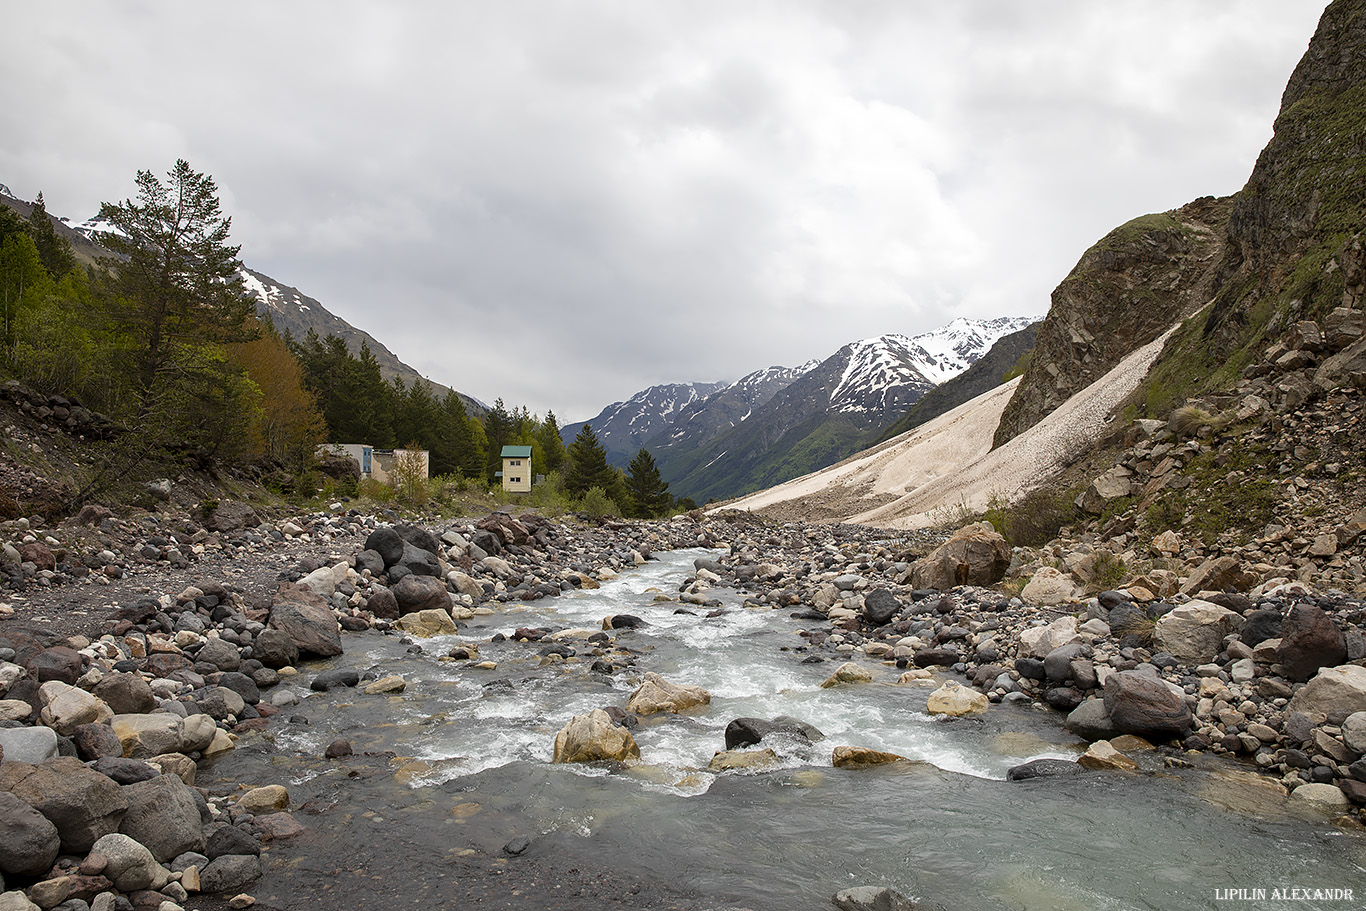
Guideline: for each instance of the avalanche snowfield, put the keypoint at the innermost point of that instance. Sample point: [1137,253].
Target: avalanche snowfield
[948,464]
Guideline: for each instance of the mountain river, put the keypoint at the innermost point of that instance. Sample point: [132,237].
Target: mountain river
[459,766]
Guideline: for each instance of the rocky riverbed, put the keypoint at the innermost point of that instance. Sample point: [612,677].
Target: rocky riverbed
[137,650]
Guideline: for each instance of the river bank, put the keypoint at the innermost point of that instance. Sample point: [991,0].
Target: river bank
[822,596]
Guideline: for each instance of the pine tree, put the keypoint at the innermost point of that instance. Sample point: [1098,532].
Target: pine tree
[53,249]
[549,451]
[649,492]
[178,295]
[588,465]
[21,278]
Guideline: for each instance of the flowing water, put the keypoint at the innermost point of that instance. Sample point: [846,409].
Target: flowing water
[473,771]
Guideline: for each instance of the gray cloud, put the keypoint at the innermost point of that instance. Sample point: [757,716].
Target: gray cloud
[561,203]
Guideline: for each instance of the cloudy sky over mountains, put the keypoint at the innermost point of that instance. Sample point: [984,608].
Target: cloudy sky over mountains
[563,203]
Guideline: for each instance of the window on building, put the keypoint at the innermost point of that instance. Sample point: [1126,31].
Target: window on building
[515,481]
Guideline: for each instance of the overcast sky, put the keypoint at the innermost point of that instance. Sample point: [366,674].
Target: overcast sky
[563,203]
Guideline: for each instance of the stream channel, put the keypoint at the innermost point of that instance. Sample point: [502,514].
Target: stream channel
[458,767]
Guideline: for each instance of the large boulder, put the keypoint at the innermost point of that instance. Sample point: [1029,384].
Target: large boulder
[144,736]
[880,606]
[28,840]
[1309,640]
[744,732]
[33,745]
[66,707]
[232,515]
[275,648]
[128,864]
[655,694]
[220,653]
[421,593]
[1219,574]
[230,873]
[1332,690]
[386,542]
[80,802]
[507,529]
[1050,586]
[955,700]
[1143,704]
[163,816]
[307,619]
[427,623]
[851,757]
[126,693]
[1040,641]
[418,561]
[975,555]
[419,537]
[1194,632]
[593,737]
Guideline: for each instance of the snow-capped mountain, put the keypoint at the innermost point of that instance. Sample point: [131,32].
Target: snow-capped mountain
[891,371]
[624,427]
[92,227]
[817,414]
[732,405]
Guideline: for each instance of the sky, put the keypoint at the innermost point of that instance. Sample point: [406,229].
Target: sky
[560,204]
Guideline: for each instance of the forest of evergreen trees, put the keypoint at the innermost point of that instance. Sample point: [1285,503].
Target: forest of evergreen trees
[161,336]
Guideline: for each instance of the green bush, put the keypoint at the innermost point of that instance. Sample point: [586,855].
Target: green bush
[598,505]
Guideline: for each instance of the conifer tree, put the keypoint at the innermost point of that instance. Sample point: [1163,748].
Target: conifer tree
[549,444]
[588,465]
[649,492]
[53,249]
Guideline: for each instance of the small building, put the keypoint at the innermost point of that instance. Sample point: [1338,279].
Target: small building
[377,464]
[516,471]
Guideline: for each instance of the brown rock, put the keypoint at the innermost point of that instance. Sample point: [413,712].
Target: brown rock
[80,802]
[1142,704]
[308,620]
[975,555]
[847,757]
[1309,640]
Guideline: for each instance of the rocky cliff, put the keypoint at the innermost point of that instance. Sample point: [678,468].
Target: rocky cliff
[1124,292]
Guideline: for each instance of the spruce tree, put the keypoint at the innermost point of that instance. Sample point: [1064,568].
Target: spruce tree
[588,465]
[549,445]
[649,492]
[53,249]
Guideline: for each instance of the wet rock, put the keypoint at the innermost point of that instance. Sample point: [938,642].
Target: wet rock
[163,816]
[391,684]
[749,731]
[278,826]
[338,749]
[1309,640]
[80,802]
[382,603]
[1044,768]
[872,898]
[225,839]
[733,760]
[849,672]
[425,624]
[230,873]
[623,621]
[593,737]
[655,694]
[851,757]
[28,840]
[334,678]
[264,799]
[1325,798]
[955,700]
[1142,704]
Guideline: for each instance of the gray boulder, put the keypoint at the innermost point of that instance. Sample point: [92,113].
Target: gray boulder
[308,621]
[1044,768]
[221,654]
[748,731]
[230,873]
[129,865]
[83,804]
[880,606]
[29,745]
[275,649]
[421,592]
[29,843]
[1143,704]
[1309,640]
[126,694]
[872,898]
[387,543]
[163,816]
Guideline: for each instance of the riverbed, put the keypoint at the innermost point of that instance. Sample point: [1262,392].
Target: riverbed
[453,782]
